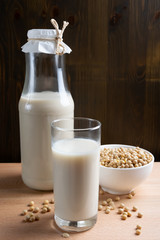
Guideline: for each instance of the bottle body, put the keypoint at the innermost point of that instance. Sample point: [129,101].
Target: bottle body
[39,105]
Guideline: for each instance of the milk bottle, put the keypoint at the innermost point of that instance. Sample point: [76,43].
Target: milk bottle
[45,97]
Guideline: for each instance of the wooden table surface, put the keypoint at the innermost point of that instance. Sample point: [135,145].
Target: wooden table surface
[14,197]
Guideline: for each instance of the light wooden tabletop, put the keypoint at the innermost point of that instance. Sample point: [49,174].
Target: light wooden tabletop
[14,197]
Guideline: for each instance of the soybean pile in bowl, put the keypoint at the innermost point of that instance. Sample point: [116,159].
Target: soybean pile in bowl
[123,167]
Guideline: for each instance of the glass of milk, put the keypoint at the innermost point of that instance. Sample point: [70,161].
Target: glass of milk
[75,152]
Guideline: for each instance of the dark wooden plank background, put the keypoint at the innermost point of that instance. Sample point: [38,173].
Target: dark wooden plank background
[113,71]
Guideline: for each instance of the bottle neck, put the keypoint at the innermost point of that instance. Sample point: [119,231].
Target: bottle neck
[45,72]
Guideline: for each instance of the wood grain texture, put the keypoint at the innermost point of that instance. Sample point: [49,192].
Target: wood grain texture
[113,71]
[15,196]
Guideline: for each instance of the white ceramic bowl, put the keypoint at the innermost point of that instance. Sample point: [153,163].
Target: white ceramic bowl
[123,180]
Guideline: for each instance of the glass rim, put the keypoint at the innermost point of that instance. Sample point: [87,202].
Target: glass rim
[76,129]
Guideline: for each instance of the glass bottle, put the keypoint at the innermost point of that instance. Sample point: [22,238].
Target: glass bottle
[45,97]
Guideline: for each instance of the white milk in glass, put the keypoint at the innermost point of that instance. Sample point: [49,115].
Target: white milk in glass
[76,178]
[37,111]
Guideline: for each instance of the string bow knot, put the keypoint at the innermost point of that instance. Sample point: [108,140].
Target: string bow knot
[59,35]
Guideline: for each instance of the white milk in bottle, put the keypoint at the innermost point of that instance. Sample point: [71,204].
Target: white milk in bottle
[45,97]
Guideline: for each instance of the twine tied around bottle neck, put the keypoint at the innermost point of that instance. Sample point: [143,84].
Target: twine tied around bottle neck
[58,39]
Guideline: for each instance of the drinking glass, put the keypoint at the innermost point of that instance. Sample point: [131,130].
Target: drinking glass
[75,153]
